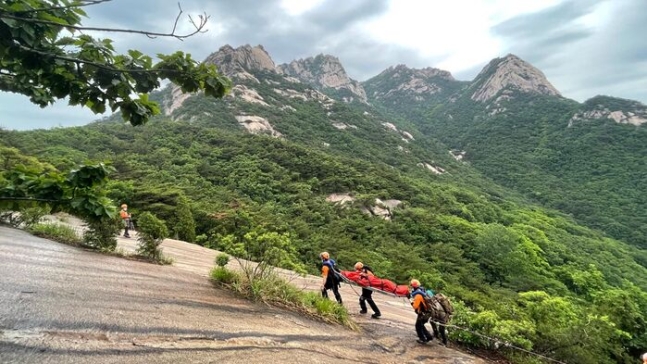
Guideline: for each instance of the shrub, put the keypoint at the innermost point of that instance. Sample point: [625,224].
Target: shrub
[274,290]
[57,232]
[32,215]
[222,260]
[224,276]
[101,234]
[152,231]
[26,216]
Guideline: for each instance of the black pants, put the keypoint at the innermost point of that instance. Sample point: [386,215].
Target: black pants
[367,296]
[442,335]
[126,227]
[421,330]
[335,290]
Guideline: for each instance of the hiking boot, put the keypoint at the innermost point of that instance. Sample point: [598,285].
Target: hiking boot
[363,312]
[376,316]
[422,341]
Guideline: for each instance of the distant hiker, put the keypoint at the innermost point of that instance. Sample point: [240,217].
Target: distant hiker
[125,217]
[441,313]
[331,278]
[365,273]
[420,307]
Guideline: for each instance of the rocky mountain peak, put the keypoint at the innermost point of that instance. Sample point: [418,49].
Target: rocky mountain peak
[402,70]
[510,72]
[234,62]
[323,71]
[417,83]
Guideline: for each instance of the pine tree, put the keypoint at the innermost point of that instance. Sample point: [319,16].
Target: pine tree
[185,226]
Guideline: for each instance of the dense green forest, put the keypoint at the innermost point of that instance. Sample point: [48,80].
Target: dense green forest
[594,170]
[529,275]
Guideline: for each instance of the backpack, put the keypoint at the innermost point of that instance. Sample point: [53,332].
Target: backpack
[332,265]
[444,302]
[429,303]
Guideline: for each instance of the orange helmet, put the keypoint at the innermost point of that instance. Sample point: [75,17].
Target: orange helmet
[324,255]
[359,265]
[415,283]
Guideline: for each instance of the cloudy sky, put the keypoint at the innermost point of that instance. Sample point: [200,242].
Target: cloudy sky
[585,47]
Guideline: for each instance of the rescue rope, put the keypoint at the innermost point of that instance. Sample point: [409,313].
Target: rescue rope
[496,341]
[499,342]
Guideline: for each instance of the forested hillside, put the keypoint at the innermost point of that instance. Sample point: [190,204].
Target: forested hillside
[588,160]
[280,156]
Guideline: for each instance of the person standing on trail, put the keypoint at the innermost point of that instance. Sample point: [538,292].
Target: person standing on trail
[125,217]
[330,277]
[366,273]
[420,307]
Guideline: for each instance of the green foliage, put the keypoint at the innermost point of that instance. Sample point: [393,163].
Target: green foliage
[586,168]
[43,61]
[79,192]
[224,276]
[259,252]
[152,231]
[33,215]
[271,289]
[222,260]
[185,226]
[101,234]
[57,232]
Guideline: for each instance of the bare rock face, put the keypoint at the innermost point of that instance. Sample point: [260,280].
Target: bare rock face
[434,169]
[380,209]
[510,72]
[257,125]
[323,71]
[237,63]
[247,94]
[619,110]
[175,100]
[416,83]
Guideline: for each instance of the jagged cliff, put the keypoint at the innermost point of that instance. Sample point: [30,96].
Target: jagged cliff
[324,71]
[510,73]
[404,81]
[238,62]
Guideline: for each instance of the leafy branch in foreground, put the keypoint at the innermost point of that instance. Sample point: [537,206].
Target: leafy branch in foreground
[80,192]
[42,62]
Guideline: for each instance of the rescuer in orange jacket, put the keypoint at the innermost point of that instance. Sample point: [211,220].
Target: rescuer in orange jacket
[418,294]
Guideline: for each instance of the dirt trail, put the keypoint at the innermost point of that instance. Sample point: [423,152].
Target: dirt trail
[60,304]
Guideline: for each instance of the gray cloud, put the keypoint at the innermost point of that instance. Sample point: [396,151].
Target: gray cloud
[583,62]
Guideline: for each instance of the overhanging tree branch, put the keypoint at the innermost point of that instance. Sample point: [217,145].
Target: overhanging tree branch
[90,73]
[199,27]
[81,3]
[31,199]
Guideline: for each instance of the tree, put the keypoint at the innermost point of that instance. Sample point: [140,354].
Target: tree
[152,233]
[46,55]
[185,225]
